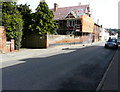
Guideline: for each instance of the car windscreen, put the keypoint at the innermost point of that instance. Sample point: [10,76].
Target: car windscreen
[119,39]
[112,40]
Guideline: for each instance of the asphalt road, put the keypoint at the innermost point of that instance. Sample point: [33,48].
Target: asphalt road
[112,78]
[72,69]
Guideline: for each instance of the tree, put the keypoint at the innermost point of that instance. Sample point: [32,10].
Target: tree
[27,17]
[43,20]
[12,20]
[118,32]
[0,13]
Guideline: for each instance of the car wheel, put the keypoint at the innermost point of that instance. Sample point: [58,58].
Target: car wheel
[116,47]
[105,46]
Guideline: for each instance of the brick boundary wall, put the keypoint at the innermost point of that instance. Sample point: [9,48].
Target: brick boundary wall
[2,39]
[54,40]
[5,46]
[36,41]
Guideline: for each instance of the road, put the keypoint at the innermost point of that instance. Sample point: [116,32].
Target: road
[112,77]
[65,69]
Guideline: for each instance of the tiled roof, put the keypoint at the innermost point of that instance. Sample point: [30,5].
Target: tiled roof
[62,12]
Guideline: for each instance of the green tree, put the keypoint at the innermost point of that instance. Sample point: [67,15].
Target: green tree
[43,20]
[0,13]
[27,17]
[118,32]
[12,20]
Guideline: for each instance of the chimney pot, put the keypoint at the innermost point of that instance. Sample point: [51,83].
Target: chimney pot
[79,3]
[55,7]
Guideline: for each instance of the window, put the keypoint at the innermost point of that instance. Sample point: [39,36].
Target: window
[73,23]
[70,23]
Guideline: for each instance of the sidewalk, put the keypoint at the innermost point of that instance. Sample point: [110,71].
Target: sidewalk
[111,78]
[13,58]
[27,53]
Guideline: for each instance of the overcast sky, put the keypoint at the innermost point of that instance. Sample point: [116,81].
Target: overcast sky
[104,10]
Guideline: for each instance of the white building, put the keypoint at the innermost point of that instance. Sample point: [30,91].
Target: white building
[104,34]
[114,36]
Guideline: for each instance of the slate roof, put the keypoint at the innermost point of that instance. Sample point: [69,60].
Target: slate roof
[62,12]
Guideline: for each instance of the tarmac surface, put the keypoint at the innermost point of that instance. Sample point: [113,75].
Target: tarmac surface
[63,68]
[112,78]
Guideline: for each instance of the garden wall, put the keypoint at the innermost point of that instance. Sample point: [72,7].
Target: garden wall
[54,40]
[5,46]
[36,41]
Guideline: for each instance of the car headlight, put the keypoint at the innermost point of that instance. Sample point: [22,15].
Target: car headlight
[106,43]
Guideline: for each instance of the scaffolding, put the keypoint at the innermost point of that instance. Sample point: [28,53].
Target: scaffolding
[77,27]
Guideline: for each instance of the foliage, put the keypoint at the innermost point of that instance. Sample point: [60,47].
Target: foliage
[19,21]
[12,20]
[27,17]
[115,30]
[43,20]
[0,13]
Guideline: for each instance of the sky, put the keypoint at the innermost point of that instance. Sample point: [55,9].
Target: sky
[106,11]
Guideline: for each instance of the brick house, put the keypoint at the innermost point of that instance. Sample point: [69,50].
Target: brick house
[96,32]
[74,20]
[104,34]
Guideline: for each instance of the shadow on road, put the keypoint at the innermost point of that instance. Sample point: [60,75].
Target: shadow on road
[81,69]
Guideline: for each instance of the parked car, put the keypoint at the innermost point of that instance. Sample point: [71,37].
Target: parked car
[111,43]
[118,40]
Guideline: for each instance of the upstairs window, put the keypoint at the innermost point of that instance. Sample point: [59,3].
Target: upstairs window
[70,23]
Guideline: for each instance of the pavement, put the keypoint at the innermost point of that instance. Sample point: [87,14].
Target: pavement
[111,78]
[27,53]
[8,59]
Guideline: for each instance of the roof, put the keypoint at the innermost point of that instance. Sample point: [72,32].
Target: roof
[62,12]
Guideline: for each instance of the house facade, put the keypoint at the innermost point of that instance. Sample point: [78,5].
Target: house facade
[104,34]
[74,20]
[68,19]
[113,34]
[96,32]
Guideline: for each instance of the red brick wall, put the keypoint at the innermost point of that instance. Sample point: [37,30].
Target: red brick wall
[96,32]
[2,39]
[4,45]
[62,39]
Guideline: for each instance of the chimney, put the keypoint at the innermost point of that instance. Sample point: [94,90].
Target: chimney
[55,7]
[79,3]
[98,21]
